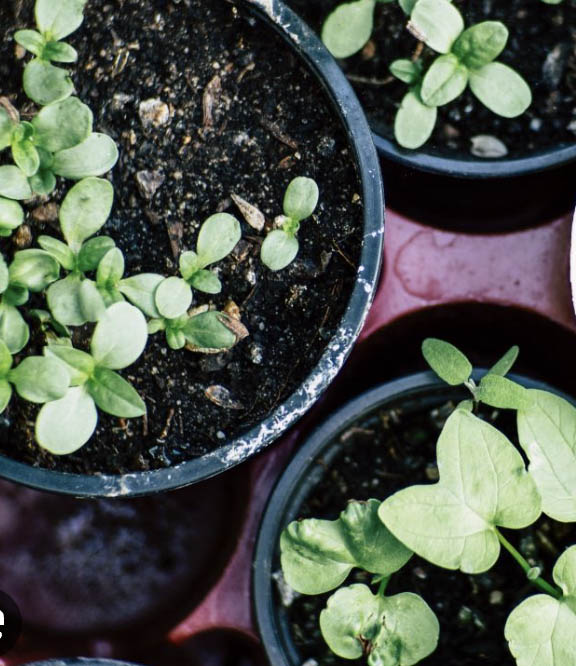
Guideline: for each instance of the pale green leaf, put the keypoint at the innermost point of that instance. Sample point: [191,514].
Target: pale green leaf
[173,297]
[414,122]
[43,182]
[79,364]
[13,329]
[447,361]
[14,183]
[189,264]
[59,250]
[33,270]
[400,630]
[547,433]
[93,157]
[92,304]
[437,23]
[218,236]
[59,18]
[63,125]
[279,249]
[114,395]
[65,425]
[481,44]
[110,269]
[64,301]
[140,291]
[206,331]
[85,210]
[206,281]
[120,337]
[6,128]
[407,6]
[406,71]
[40,379]
[175,338]
[483,484]
[501,89]
[46,84]
[31,40]
[301,198]
[4,275]
[25,155]
[5,394]
[502,393]
[5,359]
[445,80]
[92,252]
[504,365]
[59,52]
[11,214]
[348,28]
[318,555]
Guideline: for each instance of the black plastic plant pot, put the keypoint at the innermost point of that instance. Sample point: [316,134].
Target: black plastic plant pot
[309,51]
[314,465]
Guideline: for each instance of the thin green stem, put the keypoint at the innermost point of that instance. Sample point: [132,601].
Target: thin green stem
[539,582]
[383,585]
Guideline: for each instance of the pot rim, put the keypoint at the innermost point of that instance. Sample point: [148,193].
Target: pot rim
[342,98]
[303,473]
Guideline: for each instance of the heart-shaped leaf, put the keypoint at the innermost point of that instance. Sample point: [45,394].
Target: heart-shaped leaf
[14,183]
[114,395]
[483,484]
[218,236]
[59,18]
[40,379]
[46,84]
[445,80]
[301,198]
[85,210]
[120,337]
[547,433]
[65,425]
[393,631]
[93,157]
[63,125]
[541,630]
[447,361]
[348,28]
[437,23]
[318,555]
[501,89]
[481,44]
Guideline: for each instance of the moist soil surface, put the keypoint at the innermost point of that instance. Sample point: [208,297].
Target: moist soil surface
[383,453]
[245,117]
[542,47]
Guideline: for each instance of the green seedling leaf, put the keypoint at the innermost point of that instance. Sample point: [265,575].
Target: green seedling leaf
[39,379]
[46,84]
[437,23]
[541,630]
[59,250]
[207,282]
[483,484]
[92,252]
[5,360]
[547,433]
[447,361]
[446,80]
[14,183]
[502,393]
[206,331]
[114,395]
[65,302]
[279,249]
[414,122]
[501,89]
[79,365]
[63,125]
[92,303]
[301,198]
[190,264]
[5,394]
[33,270]
[504,365]
[348,28]
[481,44]
[59,18]
[173,297]
[11,216]
[407,6]
[15,295]
[65,425]
[407,71]
[6,128]
[318,555]
[85,210]
[13,329]
[31,40]
[218,236]
[93,157]
[43,182]
[140,291]
[24,153]
[4,275]
[175,338]
[59,52]
[397,630]
[120,337]
[110,269]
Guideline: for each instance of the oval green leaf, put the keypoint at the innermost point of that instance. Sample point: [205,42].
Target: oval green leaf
[279,249]
[93,157]
[206,331]
[120,336]
[481,44]
[218,236]
[33,270]
[114,395]
[46,84]
[57,19]
[39,379]
[447,361]
[301,198]
[63,125]
[13,329]
[445,80]
[437,23]
[501,89]
[85,210]
[11,214]
[14,183]
[414,122]
[140,291]
[173,297]
[348,28]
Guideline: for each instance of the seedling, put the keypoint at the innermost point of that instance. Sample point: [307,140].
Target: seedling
[55,19]
[65,425]
[281,246]
[202,331]
[455,523]
[11,216]
[57,142]
[467,59]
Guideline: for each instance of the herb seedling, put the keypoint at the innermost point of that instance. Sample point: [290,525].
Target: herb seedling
[206,331]
[57,142]
[11,216]
[120,336]
[55,19]
[455,523]
[281,246]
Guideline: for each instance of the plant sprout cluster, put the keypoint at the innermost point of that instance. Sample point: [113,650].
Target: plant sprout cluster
[456,58]
[456,524]
[81,275]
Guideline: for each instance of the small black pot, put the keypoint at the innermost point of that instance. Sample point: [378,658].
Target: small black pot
[309,49]
[413,393]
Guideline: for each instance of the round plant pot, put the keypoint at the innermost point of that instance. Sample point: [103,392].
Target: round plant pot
[310,53]
[310,467]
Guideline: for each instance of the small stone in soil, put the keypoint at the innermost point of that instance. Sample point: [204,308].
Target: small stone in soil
[487,146]
[154,113]
[148,182]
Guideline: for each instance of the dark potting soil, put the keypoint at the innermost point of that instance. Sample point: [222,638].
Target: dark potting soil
[388,451]
[542,47]
[245,117]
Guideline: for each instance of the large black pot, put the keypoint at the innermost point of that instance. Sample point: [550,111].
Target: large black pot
[413,393]
[309,49]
